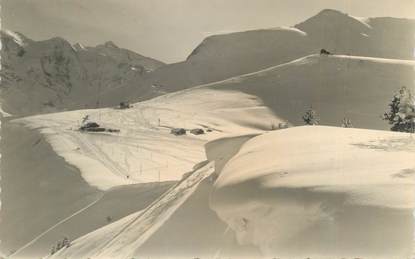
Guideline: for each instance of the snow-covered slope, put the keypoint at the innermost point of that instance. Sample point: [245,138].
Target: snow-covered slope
[48,196]
[144,150]
[382,37]
[52,75]
[321,192]
[163,228]
[70,77]
[37,188]
[121,239]
[192,229]
[222,56]
[336,86]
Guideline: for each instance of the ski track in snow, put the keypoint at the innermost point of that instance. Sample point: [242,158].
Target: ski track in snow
[55,226]
[156,214]
[100,155]
[136,231]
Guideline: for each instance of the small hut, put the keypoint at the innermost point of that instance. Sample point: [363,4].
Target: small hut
[197,131]
[125,105]
[325,52]
[178,131]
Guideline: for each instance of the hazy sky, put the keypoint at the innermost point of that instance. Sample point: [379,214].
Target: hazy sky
[169,30]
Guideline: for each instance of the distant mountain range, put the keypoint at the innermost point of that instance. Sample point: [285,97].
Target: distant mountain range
[53,75]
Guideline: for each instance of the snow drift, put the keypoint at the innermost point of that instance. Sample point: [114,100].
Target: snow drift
[321,192]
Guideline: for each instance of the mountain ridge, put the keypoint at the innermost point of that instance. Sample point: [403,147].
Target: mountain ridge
[78,77]
[53,75]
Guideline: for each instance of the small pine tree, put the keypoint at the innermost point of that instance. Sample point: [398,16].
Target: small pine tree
[311,117]
[401,111]
[347,123]
[65,242]
[59,245]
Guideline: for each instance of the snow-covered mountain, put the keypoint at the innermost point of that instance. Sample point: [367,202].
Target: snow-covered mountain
[145,150]
[53,75]
[222,56]
[334,188]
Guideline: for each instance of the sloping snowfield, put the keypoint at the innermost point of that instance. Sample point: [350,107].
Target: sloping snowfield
[44,198]
[321,192]
[123,238]
[144,150]
[282,188]
[311,191]
[335,86]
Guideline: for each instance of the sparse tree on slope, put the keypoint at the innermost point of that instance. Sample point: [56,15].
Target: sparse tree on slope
[401,114]
[59,245]
[311,117]
[66,243]
[347,123]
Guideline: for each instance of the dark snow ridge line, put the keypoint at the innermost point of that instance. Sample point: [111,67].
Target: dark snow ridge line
[54,226]
[238,77]
[293,62]
[375,59]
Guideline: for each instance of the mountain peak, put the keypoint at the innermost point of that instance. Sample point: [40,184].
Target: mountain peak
[330,15]
[331,12]
[333,20]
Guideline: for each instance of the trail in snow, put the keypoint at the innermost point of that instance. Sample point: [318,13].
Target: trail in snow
[129,238]
[88,146]
[54,226]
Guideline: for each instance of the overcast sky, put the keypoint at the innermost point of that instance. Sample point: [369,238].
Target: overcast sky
[169,30]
